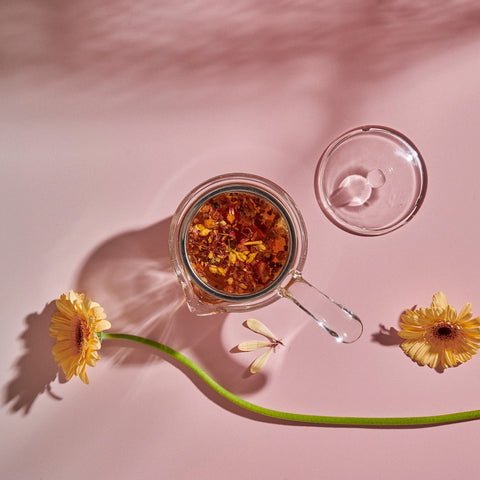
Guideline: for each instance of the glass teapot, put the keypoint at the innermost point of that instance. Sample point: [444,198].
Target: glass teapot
[238,242]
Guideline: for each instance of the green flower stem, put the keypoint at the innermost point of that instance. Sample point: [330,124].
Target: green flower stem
[298,417]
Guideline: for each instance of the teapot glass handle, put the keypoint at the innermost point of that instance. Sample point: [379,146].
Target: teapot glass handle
[338,321]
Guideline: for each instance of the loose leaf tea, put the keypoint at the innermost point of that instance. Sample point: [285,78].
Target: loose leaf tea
[238,243]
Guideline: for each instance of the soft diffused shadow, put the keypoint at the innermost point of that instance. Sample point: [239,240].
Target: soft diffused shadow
[126,49]
[36,368]
[232,407]
[131,277]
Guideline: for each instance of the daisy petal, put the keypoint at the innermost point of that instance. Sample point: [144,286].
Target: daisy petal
[465,313]
[258,327]
[260,361]
[440,301]
[251,345]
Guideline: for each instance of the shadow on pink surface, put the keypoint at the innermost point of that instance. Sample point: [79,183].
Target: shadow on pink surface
[131,277]
[387,337]
[36,369]
[127,49]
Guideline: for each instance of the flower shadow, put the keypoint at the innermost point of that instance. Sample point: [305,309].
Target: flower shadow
[131,277]
[387,337]
[36,368]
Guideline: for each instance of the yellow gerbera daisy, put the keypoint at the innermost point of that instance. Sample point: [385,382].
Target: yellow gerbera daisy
[75,326]
[438,336]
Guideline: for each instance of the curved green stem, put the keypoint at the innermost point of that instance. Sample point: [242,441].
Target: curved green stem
[298,417]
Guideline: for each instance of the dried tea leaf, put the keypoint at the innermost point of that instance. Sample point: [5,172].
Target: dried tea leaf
[237,242]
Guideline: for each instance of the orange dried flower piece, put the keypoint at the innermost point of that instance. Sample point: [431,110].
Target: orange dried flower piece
[210,223]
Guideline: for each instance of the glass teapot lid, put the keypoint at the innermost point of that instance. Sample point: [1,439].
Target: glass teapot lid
[371,180]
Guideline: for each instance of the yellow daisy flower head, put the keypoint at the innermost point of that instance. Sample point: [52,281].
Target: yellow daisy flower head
[75,327]
[438,335]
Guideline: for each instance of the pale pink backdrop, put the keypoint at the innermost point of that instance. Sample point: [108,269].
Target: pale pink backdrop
[111,112]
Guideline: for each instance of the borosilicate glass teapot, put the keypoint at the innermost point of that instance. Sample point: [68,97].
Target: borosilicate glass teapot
[238,242]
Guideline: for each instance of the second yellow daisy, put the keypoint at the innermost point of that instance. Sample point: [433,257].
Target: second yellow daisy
[437,336]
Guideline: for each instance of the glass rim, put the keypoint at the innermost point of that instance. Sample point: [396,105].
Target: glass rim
[242,182]
[337,143]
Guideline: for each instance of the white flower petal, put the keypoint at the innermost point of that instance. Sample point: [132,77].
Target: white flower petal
[251,345]
[258,327]
[260,361]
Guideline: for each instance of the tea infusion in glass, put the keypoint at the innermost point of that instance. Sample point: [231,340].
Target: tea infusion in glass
[238,243]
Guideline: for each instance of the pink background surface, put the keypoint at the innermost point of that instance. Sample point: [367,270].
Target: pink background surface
[110,114]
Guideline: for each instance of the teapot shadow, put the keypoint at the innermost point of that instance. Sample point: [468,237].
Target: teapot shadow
[131,277]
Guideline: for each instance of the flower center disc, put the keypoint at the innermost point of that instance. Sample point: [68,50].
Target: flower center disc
[79,333]
[445,332]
